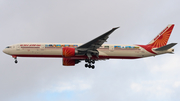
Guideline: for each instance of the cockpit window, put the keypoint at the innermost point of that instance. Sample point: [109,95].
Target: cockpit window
[8,47]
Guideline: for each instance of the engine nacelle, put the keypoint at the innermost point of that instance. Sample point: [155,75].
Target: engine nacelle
[70,62]
[68,51]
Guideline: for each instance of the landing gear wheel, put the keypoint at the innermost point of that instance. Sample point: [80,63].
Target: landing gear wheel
[92,61]
[92,66]
[86,65]
[16,61]
[89,66]
[89,61]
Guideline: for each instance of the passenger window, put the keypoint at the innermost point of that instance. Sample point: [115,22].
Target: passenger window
[128,46]
[117,46]
[75,45]
[66,45]
[106,46]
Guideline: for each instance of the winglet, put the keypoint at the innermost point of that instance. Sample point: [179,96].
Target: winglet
[115,28]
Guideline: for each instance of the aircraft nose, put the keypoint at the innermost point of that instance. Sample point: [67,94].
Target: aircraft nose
[5,51]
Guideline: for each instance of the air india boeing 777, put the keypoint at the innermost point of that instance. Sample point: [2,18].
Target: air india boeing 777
[93,50]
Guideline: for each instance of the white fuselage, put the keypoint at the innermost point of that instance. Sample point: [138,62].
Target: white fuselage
[106,51]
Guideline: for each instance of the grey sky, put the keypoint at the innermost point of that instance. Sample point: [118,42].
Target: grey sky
[59,21]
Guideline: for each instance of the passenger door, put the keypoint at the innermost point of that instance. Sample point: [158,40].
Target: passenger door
[111,48]
[42,47]
[18,47]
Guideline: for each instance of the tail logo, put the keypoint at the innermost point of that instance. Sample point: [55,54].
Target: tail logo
[162,38]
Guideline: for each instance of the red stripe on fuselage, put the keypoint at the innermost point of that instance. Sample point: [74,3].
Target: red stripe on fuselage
[77,57]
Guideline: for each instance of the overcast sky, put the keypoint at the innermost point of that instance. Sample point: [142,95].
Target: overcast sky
[78,21]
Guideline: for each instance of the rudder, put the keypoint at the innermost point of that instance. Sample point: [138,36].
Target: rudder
[162,38]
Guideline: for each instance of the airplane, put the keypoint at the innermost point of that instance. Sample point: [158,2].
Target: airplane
[94,50]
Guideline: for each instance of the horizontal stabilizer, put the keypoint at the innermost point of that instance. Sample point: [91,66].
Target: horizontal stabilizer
[166,47]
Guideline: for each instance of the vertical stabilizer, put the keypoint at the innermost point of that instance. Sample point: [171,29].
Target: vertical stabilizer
[162,39]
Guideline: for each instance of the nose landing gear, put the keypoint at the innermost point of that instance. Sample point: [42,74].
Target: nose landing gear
[15,57]
[16,61]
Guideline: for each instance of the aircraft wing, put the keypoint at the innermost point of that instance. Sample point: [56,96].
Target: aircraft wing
[90,48]
[97,42]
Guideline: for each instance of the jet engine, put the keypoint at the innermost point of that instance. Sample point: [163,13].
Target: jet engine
[68,51]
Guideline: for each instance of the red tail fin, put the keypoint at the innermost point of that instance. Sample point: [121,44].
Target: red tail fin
[162,39]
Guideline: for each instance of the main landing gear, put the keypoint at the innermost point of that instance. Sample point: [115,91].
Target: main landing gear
[89,61]
[15,57]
